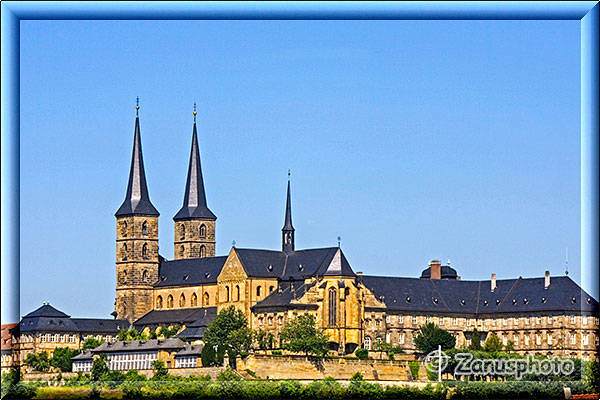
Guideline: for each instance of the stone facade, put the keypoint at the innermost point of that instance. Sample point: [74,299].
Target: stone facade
[194,238]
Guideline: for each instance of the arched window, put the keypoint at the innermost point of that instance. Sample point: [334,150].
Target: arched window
[124,252]
[237,293]
[205,299]
[258,291]
[170,301]
[144,228]
[145,251]
[332,307]
[181,251]
[182,300]
[194,300]
[202,230]
[226,293]
[124,279]
[182,231]
[202,251]
[368,343]
[145,276]
[159,302]
[124,229]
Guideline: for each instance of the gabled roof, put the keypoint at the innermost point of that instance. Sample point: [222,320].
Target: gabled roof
[194,201]
[139,345]
[86,355]
[46,310]
[96,325]
[137,200]
[190,350]
[190,272]
[293,265]
[182,316]
[475,297]
[285,297]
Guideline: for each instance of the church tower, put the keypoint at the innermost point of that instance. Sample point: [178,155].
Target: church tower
[194,223]
[287,232]
[137,240]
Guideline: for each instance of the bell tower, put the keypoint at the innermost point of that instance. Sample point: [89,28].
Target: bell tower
[287,232]
[194,222]
[137,240]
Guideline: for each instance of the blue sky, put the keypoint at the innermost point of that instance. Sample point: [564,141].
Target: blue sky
[412,140]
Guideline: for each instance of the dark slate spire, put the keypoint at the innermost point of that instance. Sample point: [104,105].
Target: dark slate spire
[137,200]
[194,201]
[287,242]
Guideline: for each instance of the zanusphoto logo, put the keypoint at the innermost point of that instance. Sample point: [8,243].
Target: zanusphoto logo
[517,367]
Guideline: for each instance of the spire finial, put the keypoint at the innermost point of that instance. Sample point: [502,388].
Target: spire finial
[567,261]
[233,244]
[289,174]
[137,106]
[195,112]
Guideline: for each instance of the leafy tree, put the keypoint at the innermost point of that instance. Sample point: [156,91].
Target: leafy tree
[591,376]
[430,336]
[160,371]
[239,341]
[388,348]
[362,354]
[510,346]
[217,334]
[302,335]
[99,366]
[167,332]
[265,340]
[209,356]
[475,341]
[91,343]
[131,334]
[61,358]
[39,362]
[492,343]
[228,374]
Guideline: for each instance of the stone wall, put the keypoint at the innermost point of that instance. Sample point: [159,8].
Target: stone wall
[148,373]
[302,368]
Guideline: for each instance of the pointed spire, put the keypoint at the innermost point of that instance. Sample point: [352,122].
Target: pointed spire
[137,200]
[287,243]
[194,201]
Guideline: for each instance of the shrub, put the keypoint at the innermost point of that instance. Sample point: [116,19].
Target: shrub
[277,352]
[357,377]
[414,369]
[362,354]
[290,389]
[515,389]
[160,371]
[228,375]
[591,376]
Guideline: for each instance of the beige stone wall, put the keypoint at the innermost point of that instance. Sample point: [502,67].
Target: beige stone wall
[190,242]
[300,367]
[205,295]
[137,265]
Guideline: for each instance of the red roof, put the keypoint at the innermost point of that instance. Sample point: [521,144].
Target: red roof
[6,336]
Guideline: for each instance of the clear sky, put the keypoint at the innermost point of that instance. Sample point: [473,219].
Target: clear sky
[412,140]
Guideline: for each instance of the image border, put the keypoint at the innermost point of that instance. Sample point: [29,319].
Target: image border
[13,12]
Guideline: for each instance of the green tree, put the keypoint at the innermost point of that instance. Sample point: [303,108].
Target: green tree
[239,341]
[209,356]
[301,335]
[61,358]
[99,366]
[91,343]
[217,334]
[39,362]
[167,332]
[510,346]
[430,336]
[492,343]
[265,340]
[131,334]
[160,371]
[475,341]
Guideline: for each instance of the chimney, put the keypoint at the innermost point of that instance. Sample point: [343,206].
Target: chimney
[493,282]
[546,279]
[359,276]
[436,269]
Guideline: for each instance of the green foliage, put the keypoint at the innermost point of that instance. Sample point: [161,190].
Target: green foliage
[209,356]
[492,343]
[430,336]
[357,377]
[218,332]
[264,340]
[133,376]
[362,354]
[61,358]
[91,343]
[131,334]
[514,390]
[239,341]
[39,362]
[166,332]
[475,341]
[277,353]
[99,366]
[388,348]
[414,369]
[327,388]
[160,371]
[228,374]
[408,392]
[433,374]
[301,335]
[591,376]
[510,346]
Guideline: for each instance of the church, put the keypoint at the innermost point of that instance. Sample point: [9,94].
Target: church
[545,315]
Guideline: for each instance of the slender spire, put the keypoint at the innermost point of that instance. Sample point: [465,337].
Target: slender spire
[194,201]
[137,200]
[287,237]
